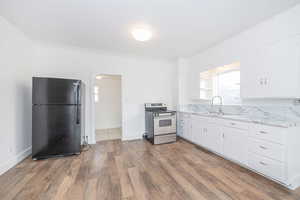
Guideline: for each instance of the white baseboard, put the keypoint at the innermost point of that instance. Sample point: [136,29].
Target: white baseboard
[295,183]
[132,138]
[15,160]
[110,127]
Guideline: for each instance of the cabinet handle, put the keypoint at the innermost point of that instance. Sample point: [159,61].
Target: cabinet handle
[263,147]
[261,82]
[233,124]
[263,132]
[263,163]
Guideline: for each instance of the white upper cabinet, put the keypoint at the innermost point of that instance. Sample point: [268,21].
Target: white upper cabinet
[272,70]
[283,68]
[252,73]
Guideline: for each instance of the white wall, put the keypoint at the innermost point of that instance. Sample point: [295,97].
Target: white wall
[236,48]
[108,113]
[143,80]
[15,102]
[183,74]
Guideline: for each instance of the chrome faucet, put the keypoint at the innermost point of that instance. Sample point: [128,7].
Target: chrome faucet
[221,103]
[214,97]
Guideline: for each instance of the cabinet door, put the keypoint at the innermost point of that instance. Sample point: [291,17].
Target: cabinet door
[282,66]
[235,144]
[183,125]
[180,124]
[213,137]
[252,74]
[197,130]
[272,70]
[187,128]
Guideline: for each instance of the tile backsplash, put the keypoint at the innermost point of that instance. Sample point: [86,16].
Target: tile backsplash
[262,112]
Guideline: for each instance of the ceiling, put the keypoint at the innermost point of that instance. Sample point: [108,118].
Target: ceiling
[180,27]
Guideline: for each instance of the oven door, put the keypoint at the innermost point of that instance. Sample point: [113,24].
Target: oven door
[165,123]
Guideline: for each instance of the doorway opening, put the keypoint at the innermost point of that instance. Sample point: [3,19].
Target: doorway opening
[108,107]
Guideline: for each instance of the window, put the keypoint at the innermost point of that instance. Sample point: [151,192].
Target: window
[165,122]
[221,81]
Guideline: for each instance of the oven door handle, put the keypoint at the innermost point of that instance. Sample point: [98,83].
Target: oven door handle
[165,118]
[165,114]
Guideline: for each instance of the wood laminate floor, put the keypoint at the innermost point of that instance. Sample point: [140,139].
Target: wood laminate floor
[108,134]
[138,170]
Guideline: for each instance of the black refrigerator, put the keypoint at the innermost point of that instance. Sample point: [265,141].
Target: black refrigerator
[56,117]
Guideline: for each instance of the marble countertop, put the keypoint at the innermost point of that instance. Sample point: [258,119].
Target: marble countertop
[270,120]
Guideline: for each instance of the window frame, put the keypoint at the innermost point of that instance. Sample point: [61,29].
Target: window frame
[212,74]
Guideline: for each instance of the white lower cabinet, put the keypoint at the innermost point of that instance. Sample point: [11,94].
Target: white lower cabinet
[267,166]
[223,140]
[213,137]
[234,144]
[206,134]
[187,128]
[184,126]
[271,151]
[179,124]
[198,129]
[267,149]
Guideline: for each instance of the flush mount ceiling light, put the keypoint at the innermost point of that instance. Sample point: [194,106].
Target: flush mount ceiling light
[141,34]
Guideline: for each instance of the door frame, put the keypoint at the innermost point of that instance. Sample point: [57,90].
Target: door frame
[92,103]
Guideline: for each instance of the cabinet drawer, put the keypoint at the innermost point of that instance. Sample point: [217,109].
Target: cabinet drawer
[273,134]
[236,124]
[268,149]
[162,139]
[269,167]
[185,115]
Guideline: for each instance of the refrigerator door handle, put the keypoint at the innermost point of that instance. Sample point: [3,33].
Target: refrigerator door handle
[77,105]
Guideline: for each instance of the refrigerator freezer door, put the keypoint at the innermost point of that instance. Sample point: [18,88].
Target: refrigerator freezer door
[55,131]
[55,91]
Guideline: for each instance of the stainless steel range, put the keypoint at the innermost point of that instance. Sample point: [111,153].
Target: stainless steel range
[160,123]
